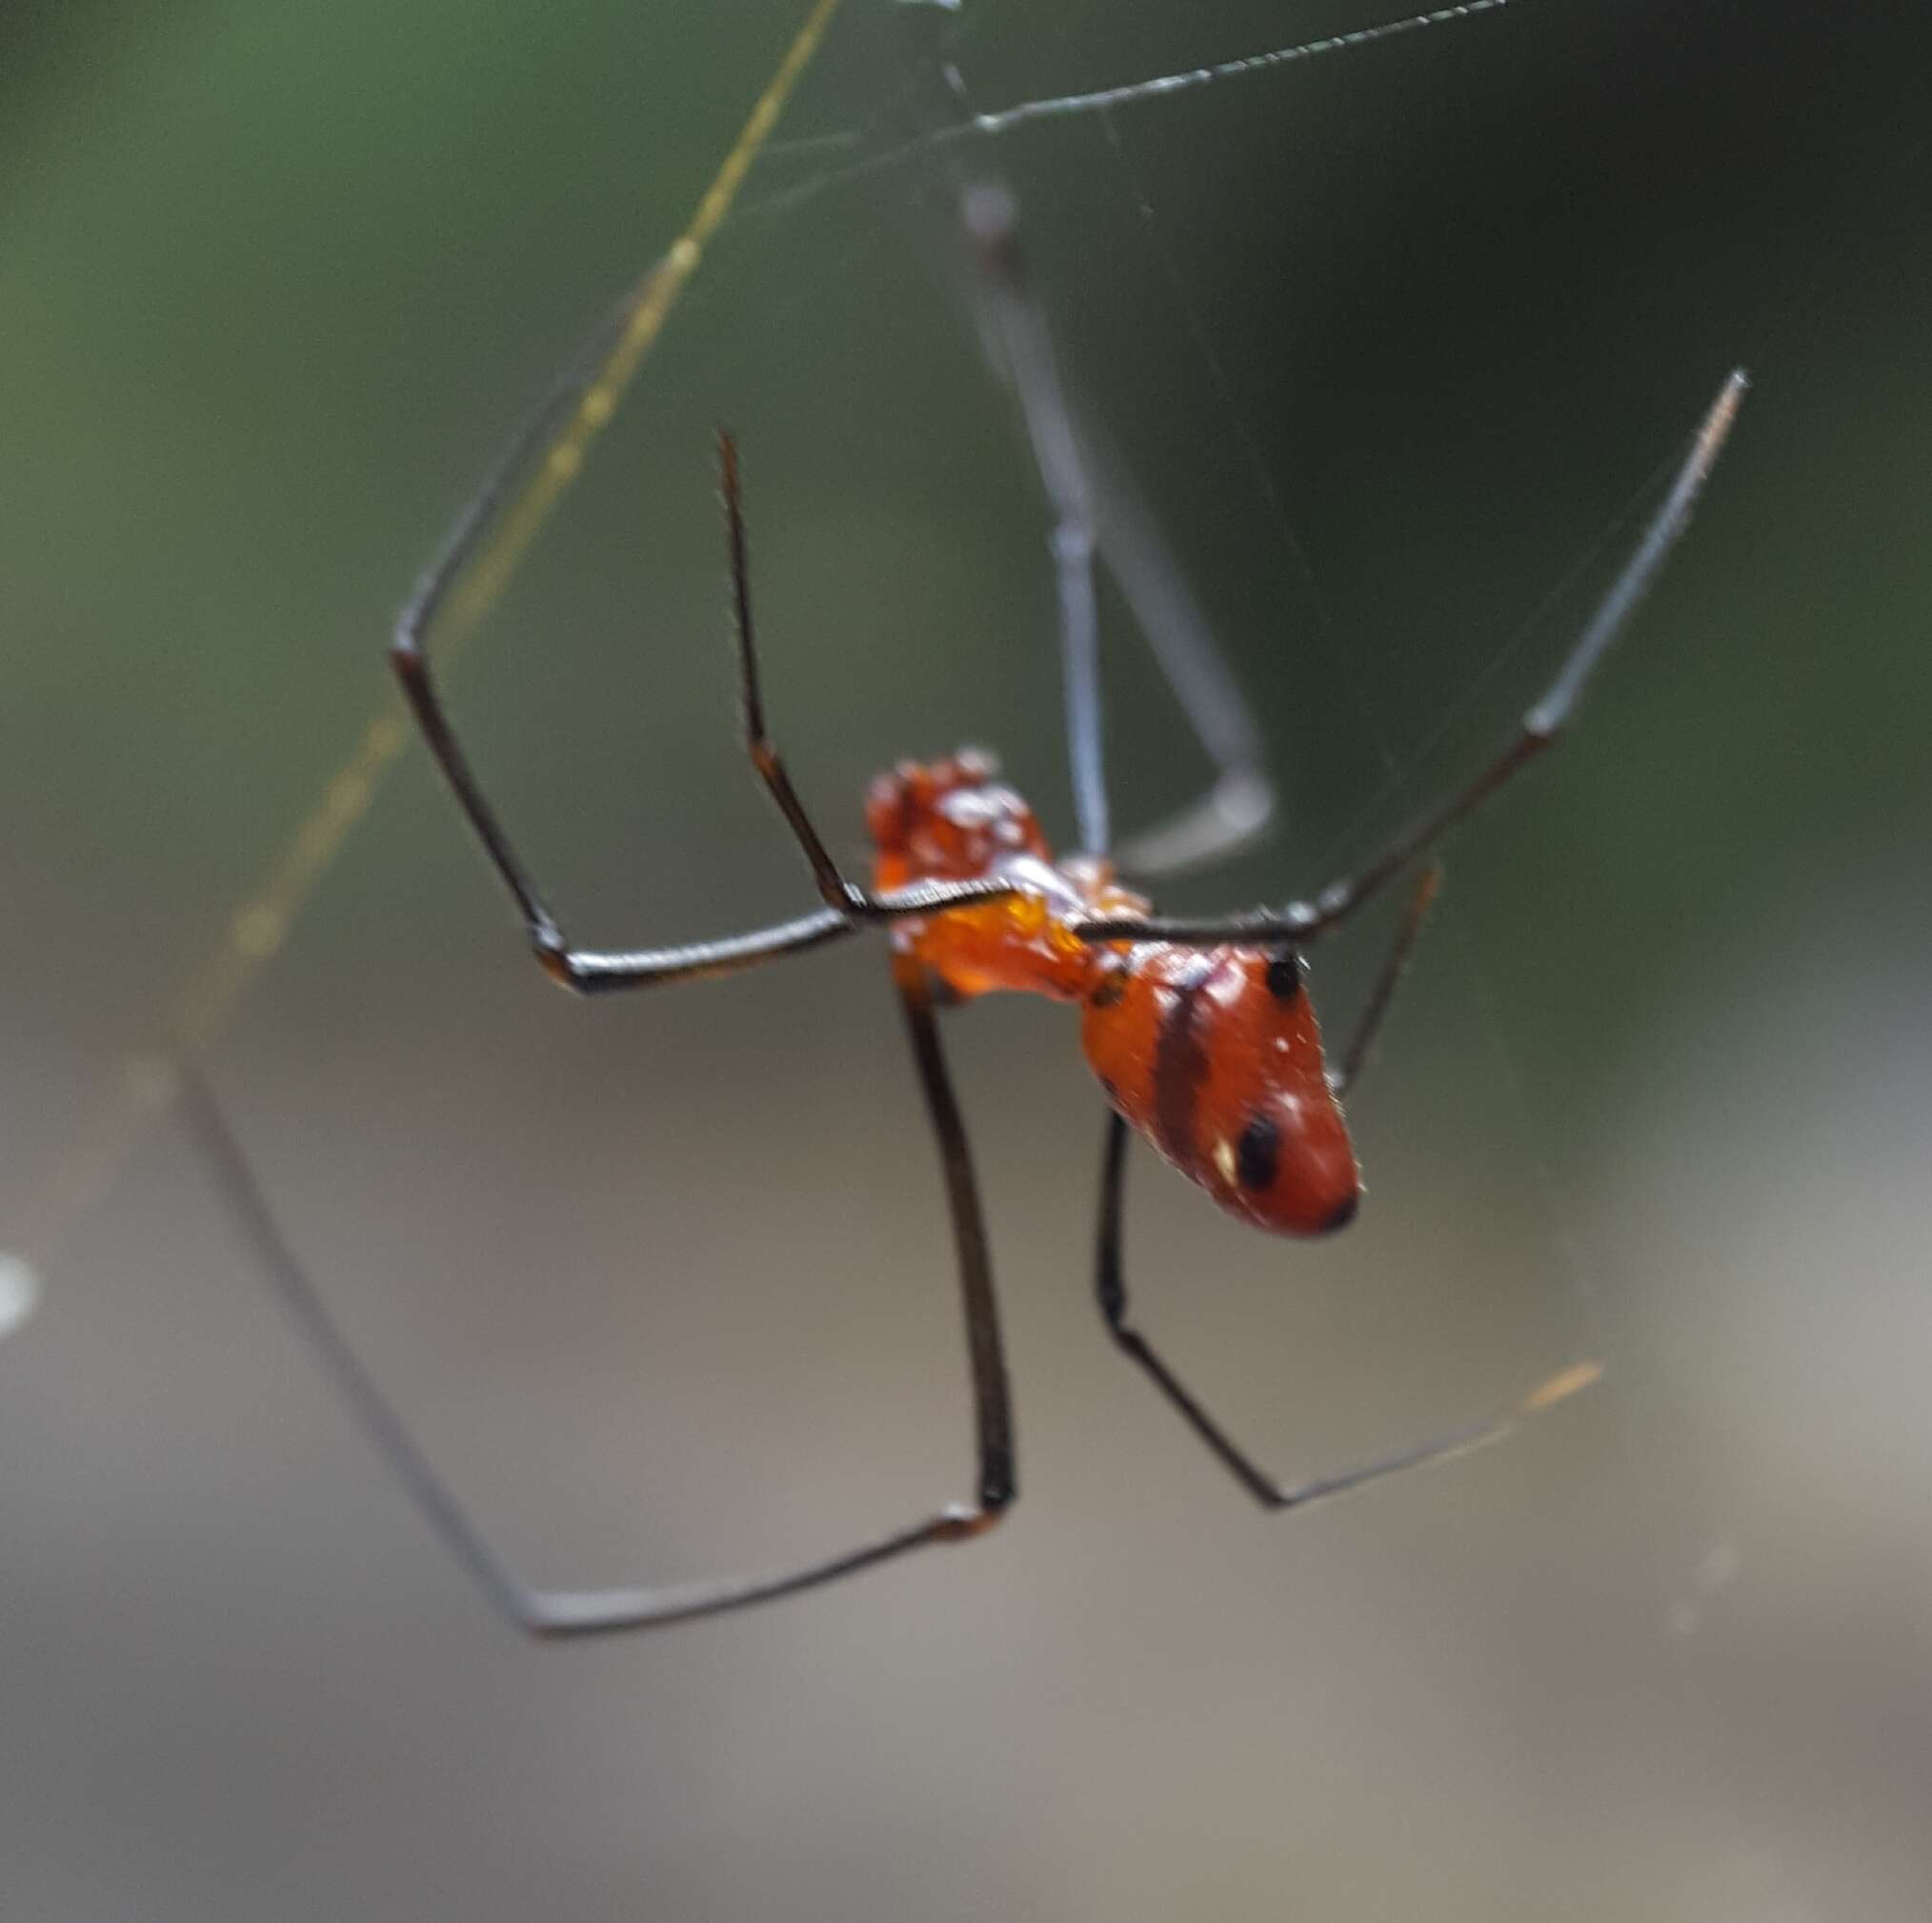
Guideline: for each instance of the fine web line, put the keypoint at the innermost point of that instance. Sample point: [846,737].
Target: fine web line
[145,1082]
[992,123]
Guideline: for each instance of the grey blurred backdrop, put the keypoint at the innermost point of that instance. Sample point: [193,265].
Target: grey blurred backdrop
[1390,339]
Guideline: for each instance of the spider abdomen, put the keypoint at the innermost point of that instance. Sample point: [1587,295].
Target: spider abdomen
[1214,1056]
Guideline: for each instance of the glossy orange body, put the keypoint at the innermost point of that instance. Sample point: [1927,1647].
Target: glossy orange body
[1213,1055]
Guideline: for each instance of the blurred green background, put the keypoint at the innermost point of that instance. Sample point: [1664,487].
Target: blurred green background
[1390,340]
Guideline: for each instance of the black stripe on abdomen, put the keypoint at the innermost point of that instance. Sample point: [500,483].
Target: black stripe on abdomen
[1181,1062]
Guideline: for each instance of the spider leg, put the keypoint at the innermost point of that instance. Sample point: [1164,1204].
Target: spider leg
[582,1612]
[1349,1064]
[1021,347]
[1545,720]
[845,897]
[1095,511]
[847,905]
[1270,1494]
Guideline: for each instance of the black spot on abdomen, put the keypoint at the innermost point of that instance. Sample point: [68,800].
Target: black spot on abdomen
[1258,1154]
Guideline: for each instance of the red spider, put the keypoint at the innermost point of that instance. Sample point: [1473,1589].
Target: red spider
[1201,1032]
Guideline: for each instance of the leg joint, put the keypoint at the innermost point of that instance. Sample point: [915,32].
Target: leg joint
[962,1525]
[554,958]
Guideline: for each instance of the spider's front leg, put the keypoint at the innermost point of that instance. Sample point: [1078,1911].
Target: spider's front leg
[847,908]
[1544,722]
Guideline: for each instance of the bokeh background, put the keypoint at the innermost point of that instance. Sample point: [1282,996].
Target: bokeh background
[1390,340]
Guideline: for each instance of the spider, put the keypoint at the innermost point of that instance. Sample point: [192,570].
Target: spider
[1202,1031]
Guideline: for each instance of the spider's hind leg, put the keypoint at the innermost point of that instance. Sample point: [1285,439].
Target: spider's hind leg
[562,1612]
